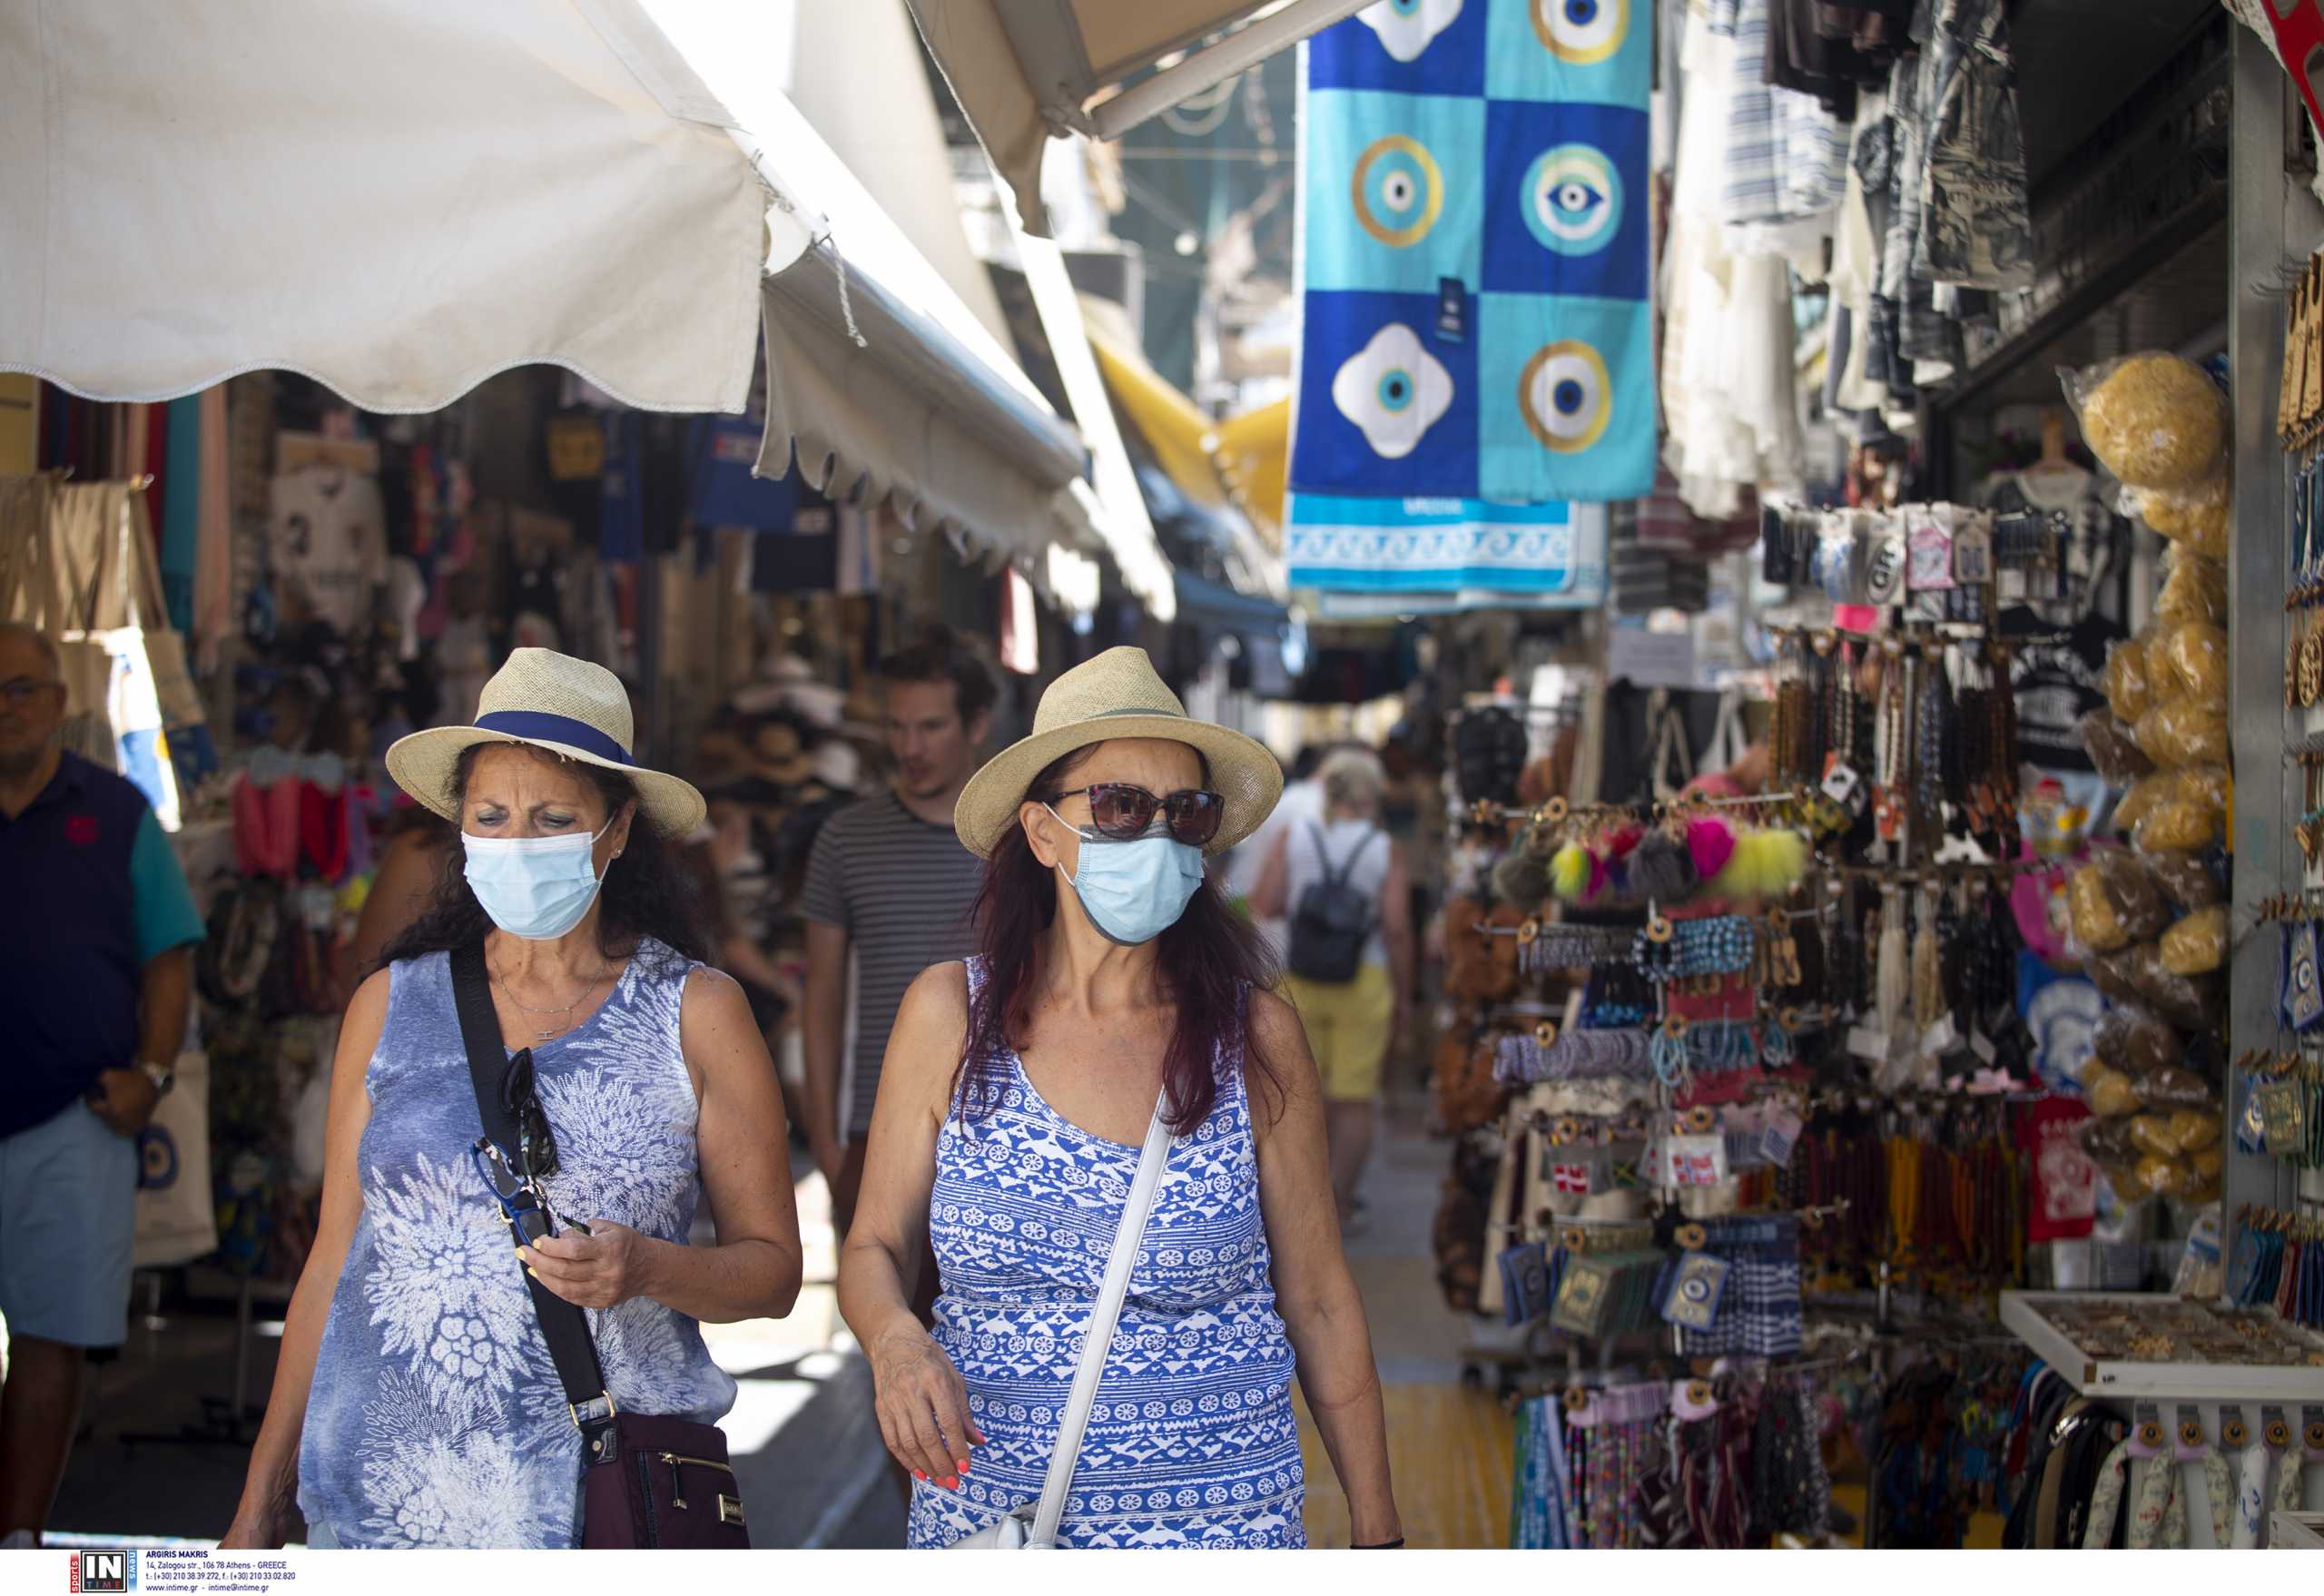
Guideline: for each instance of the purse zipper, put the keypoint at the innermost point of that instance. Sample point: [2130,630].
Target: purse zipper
[645,1479]
[676,1460]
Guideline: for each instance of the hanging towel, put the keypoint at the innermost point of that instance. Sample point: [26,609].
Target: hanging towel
[1473,227]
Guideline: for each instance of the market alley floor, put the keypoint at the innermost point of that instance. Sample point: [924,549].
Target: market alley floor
[803,1435]
[1450,1445]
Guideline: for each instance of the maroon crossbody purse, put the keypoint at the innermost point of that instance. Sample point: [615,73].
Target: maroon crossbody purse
[648,1481]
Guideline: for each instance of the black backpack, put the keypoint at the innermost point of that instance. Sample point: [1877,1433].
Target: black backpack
[1332,922]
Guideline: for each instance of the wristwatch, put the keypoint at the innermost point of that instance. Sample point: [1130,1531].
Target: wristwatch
[163,1077]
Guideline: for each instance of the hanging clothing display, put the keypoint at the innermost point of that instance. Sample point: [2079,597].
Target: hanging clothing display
[1726,367]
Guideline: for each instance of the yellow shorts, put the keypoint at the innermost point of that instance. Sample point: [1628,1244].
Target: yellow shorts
[1347,1029]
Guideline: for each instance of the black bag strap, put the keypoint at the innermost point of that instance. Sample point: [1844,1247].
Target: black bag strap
[563,1325]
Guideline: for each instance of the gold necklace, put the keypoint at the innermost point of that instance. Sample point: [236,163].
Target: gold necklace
[552,1033]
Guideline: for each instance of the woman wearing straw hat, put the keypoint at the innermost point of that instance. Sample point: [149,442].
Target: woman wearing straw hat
[414,1401]
[1116,999]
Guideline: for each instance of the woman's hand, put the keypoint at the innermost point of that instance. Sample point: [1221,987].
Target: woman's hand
[923,1405]
[603,1269]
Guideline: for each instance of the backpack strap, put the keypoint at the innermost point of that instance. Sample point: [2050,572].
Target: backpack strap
[1335,875]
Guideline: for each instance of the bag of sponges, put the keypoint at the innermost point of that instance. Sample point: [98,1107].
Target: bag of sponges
[2155,419]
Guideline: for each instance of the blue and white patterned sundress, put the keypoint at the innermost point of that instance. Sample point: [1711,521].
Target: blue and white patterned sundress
[1192,1440]
[436,1418]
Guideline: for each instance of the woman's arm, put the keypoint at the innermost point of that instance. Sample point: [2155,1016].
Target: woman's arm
[753,1272]
[1274,885]
[270,1489]
[1396,934]
[923,1406]
[1314,1291]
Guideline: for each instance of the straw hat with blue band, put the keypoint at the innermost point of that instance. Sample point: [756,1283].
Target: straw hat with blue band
[553,702]
[1117,694]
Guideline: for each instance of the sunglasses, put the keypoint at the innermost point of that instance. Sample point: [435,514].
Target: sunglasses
[522,1203]
[1124,813]
[536,1143]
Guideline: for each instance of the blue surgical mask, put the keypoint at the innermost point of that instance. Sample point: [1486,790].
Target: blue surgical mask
[537,888]
[1135,891]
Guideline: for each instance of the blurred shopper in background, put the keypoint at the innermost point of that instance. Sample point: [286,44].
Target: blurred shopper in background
[1343,882]
[96,980]
[889,891]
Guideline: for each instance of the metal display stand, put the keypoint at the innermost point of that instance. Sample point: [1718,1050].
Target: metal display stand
[2274,222]
[2203,1387]
[2253,1383]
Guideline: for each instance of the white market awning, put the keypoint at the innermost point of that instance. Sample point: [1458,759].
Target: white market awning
[1027,71]
[404,198]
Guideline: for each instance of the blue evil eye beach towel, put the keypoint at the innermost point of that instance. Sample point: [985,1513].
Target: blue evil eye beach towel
[1542,556]
[1473,248]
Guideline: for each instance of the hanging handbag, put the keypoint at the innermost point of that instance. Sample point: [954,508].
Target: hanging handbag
[647,1481]
[1033,1526]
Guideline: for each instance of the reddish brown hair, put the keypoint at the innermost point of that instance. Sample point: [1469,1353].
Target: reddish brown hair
[1209,962]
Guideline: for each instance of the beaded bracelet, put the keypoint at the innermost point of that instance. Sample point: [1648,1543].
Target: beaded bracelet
[1719,1046]
[1573,1056]
[1719,945]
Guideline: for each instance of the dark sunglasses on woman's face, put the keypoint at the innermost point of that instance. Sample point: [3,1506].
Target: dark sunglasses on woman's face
[1123,812]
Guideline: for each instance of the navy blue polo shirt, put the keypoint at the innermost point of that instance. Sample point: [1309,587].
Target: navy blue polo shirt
[92,894]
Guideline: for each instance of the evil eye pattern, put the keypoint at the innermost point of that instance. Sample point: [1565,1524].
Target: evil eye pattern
[1565,396]
[1407,28]
[1398,190]
[1581,31]
[1573,199]
[1393,390]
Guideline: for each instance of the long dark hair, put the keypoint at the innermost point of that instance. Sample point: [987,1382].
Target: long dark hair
[1209,962]
[647,892]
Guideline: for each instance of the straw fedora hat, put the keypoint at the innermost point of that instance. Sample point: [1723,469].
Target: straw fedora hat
[548,700]
[1117,694]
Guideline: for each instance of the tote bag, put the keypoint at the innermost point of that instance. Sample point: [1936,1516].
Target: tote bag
[175,1221]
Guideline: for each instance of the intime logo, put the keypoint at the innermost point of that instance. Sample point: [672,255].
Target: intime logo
[105,1572]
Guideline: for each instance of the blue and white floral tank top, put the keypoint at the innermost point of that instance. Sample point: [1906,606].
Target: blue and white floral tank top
[1192,1440]
[436,1418]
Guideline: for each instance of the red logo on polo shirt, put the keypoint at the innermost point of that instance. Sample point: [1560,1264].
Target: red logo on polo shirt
[81,829]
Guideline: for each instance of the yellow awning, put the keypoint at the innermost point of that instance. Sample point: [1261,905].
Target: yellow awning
[1251,452]
[1173,425]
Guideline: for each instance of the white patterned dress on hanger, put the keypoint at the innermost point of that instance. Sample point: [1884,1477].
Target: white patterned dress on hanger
[1192,1440]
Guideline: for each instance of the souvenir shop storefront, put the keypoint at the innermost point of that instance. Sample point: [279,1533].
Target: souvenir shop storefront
[1880,1052]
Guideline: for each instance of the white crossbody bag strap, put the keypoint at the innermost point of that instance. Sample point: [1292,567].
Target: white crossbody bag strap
[1086,1374]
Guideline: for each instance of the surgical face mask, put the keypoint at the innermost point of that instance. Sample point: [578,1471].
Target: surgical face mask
[537,888]
[1134,891]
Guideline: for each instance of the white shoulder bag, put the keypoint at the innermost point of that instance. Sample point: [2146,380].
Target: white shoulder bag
[1033,1527]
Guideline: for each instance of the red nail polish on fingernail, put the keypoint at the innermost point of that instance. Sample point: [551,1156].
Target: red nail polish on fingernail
[919,1474]
[964,1465]
[951,1484]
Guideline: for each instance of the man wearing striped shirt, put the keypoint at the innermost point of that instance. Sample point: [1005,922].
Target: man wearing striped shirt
[889,894]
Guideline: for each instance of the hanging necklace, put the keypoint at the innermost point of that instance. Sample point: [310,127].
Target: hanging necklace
[551,1033]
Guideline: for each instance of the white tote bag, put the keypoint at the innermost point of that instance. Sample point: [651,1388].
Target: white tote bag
[175,1221]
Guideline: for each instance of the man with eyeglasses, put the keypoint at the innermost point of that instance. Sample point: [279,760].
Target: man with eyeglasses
[97,978]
